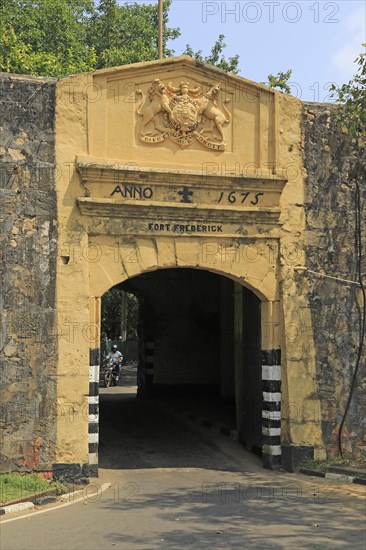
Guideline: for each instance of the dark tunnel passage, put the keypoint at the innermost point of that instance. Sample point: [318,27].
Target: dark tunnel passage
[199,354]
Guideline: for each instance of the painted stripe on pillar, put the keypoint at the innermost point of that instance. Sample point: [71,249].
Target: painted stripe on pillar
[271,410]
[93,408]
[93,438]
[93,458]
[271,372]
[271,357]
[270,422]
[271,386]
[272,397]
[273,450]
[271,405]
[272,415]
[94,373]
[271,431]
[271,440]
[94,355]
[93,389]
[93,448]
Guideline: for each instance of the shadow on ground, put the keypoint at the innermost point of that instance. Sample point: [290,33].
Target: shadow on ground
[146,433]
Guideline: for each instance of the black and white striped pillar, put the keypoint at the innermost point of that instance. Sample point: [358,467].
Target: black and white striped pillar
[271,412]
[93,412]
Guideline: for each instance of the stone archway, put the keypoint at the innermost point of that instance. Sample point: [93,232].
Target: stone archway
[141,255]
[111,201]
[128,205]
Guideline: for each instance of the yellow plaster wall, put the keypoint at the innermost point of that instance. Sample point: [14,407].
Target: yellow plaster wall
[113,133]
[72,290]
[120,259]
[300,424]
[96,119]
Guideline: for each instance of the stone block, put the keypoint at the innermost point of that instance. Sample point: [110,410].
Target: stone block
[293,456]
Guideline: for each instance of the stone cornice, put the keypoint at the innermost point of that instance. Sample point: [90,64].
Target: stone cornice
[172,211]
[95,170]
[211,197]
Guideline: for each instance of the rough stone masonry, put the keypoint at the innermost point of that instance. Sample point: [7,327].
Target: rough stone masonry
[28,255]
[28,238]
[333,164]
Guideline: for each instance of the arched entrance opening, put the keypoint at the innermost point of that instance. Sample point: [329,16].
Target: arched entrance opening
[252,274]
[200,352]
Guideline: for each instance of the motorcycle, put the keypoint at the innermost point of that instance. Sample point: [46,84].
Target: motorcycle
[111,375]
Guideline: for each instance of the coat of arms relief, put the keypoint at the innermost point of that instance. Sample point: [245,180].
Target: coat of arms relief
[183,115]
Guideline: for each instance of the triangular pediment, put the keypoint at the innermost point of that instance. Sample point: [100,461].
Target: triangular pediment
[179,113]
[186,64]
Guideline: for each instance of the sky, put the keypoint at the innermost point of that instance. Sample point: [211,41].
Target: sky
[318,40]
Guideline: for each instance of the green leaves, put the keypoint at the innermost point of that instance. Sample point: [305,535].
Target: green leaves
[48,37]
[61,37]
[352,97]
[216,57]
[111,314]
[280,81]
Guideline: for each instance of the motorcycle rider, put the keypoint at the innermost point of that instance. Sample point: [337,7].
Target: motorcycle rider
[115,357]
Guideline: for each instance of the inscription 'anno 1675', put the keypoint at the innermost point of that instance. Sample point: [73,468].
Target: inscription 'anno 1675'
[186,195]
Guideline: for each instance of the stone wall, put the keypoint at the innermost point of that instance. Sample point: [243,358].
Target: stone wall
[332,164]
[28,240]
[28,251]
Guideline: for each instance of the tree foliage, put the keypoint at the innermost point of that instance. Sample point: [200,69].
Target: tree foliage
[128,33]
[216,56]
[45,37]
[61,37]
[352,97]
[280,81]
[111,315]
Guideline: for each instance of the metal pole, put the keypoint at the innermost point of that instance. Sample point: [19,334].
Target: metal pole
[160,38]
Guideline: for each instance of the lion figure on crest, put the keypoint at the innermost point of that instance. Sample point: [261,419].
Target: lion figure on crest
[207,106]
[157,101]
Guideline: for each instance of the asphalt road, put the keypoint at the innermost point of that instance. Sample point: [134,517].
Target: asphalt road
[175,485]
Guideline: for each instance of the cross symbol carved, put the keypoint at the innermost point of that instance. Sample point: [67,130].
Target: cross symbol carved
[186,193]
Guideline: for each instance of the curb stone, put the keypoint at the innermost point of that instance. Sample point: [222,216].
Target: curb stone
[28,505]
[347,470]
[339,477]
[336,477]
[311,472]
[20,507]
[32,498]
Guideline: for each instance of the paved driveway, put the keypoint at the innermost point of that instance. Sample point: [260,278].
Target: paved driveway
[175,485]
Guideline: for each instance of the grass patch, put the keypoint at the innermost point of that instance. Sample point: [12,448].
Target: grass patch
[347,460]
[19,486]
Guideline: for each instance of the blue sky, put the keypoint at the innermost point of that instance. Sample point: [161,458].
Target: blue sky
[318,40]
